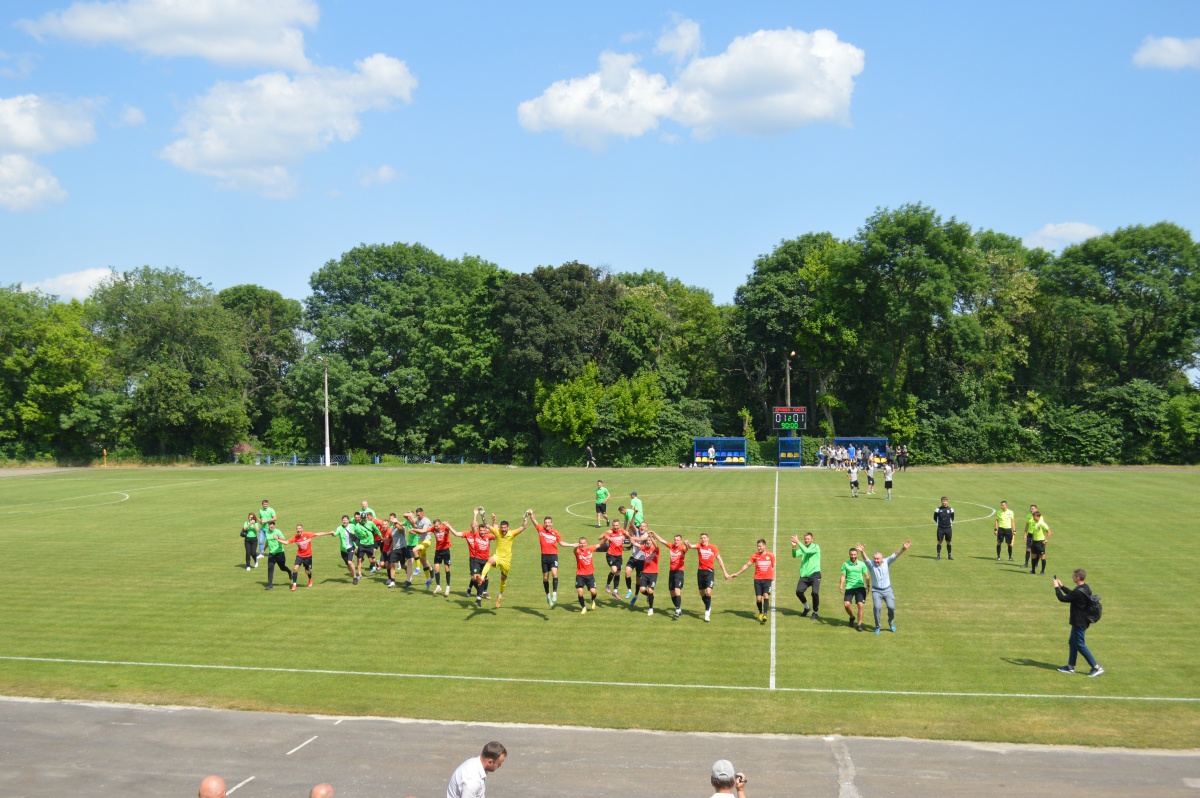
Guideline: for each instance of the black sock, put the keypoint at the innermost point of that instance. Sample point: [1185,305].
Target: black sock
[629,583]
[447,579]
[998,545]
[1010,551]
[556,584]
[707,602]
[546,587]
[766,605]
[1027,558]
[438,577]
[1043,565]
[939,549]
[758,604]
[677,601]
[582,603]
[947,549]
[650,600]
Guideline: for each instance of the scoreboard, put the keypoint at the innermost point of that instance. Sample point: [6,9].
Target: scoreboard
[789,418]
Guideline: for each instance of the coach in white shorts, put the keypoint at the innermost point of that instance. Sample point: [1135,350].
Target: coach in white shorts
[470,780]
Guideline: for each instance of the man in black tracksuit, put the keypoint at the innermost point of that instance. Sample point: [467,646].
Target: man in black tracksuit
[1079,599]
[944,516]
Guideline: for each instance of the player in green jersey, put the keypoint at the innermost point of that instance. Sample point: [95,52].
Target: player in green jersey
[275,555]
[345,537]
[265,515]
[1004,530]
[364,532]
[809,554]
[602,495]
[854,583]
[635,504]
[1039,534]
[250,538]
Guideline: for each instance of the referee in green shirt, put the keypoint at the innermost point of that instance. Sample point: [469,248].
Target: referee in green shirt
[1004,530]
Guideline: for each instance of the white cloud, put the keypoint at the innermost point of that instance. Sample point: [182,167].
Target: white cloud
[380,176]
[680,42]
[132,116]
[25,184]
[32,125]
[248,134]
[228,32]
[1168,52]
[15,66]
[1053,237]
[764,83]
[76,285]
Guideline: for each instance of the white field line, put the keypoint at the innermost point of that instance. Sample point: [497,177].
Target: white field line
[12,508]
[584,683]
[775,551]
[297,748]
[239,784]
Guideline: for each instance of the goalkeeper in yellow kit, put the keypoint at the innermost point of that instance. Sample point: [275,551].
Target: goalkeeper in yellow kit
[502,559]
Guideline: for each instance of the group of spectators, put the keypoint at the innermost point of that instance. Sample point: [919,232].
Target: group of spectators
[469,779]
[840,457]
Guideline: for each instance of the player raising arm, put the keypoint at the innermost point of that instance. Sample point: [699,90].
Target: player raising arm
[764,577]
[441,554]
[678,549]
[705,579]
[503,557]
[548,539]
[303,541]
[585,571]
[614,537]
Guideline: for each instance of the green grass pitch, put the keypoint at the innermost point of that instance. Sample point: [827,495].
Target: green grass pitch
[145,566]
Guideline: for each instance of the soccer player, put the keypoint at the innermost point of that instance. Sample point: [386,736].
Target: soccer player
[585,571]
[346,539]
[503,556]
[275,555]
[303,541]
[424,531]
[549,539]
[398,552]
[810,572]
[635,504]
[648,577]
[364,531]
[853,472]
[636,562]
[888,472]
[264,515]
[479,543]
[627,517]
[615,538]
[943,516]
[441,554]
[1028,533]
[679,552]
[855,579]
[1004,530]
[602,495]
[764,577]
[381,534]
[871,475]
[708,554]
[1039,534]
[250,533]
[881,583]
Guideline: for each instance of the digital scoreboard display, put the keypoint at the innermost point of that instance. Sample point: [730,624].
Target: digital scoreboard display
[787,418]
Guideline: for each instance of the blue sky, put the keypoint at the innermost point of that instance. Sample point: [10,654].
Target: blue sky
[254,141]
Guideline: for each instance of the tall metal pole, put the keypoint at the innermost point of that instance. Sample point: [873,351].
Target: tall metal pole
[788,369]
[327,462]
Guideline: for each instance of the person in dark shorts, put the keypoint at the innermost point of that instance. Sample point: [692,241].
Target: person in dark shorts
[943,516]
[809,554]
[855,580]
[1004,530]
[548,540]
[1039,534]
[709,555]
[585,572]
[303,543]
[441,554]
[614,537]
[678,549]
[635,563]
[275,555]
[648,577]
[763,562]
[602,495]
[250,539]
[399,553]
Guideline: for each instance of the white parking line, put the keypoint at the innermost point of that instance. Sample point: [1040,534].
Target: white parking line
[239,784]
[297,748]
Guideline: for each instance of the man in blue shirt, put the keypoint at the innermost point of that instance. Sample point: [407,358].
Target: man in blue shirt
[881,583]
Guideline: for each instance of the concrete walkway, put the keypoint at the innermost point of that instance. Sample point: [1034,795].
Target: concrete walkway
[50,748]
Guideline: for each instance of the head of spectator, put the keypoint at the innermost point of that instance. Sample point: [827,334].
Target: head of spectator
[493,756]
[212,787]
[725,779]
[321,791]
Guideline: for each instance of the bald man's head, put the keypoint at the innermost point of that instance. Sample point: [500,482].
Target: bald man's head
[212,787]
[321,791]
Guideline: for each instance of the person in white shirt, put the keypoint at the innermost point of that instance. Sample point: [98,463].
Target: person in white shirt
[725,780]
[470,779]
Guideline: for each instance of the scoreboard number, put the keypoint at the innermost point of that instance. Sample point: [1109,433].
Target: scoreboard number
[789,418]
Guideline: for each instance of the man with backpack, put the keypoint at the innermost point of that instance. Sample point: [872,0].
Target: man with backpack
[1085,611]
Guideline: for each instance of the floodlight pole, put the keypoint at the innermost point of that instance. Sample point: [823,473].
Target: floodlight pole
[787,363]
[327,458]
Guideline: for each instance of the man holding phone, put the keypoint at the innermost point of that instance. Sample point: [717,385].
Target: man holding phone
[725,780]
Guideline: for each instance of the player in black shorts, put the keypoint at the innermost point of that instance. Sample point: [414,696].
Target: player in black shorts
[635,563]
[944,517]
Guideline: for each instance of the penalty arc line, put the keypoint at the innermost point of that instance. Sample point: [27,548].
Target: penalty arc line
[585,683]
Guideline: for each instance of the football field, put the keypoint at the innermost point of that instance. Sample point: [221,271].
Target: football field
[128,584]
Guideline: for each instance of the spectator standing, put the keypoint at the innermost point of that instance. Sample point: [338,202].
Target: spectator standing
[725,779]
[591,458]
[212,787]
[1079,598]
[470,779]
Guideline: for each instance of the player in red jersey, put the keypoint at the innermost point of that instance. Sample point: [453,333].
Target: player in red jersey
[441,554]
[764,577]
[649,575]
[479,548]
[678,549]
[615,538]
[549,539]
[705,578]
[303,541]
[585,571]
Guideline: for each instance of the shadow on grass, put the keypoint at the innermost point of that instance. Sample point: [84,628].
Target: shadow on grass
[789,611]
[477,611]
[531,611]
[1029,663]
[741,614]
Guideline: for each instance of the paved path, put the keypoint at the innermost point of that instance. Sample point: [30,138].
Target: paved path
[50,748]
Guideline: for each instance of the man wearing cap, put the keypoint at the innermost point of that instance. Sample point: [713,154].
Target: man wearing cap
[725,779]
[635,504]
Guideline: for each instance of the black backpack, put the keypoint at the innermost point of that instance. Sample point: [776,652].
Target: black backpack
[1094,609]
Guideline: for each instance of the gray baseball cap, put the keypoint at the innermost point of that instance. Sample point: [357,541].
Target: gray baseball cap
[723,769]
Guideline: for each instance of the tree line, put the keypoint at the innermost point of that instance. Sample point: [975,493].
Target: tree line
[962,343]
